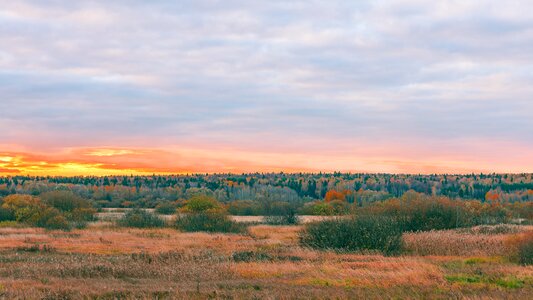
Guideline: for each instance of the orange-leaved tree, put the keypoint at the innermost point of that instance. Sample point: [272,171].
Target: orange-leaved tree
[334,195]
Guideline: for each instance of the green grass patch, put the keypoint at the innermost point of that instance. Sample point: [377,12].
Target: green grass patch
[504,282]
[12,224]
[510,282]
[464,278]
[482,260]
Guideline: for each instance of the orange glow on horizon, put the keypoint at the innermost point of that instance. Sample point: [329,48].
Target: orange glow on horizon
[147,161]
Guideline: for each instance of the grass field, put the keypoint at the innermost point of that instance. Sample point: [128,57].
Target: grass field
[103,261]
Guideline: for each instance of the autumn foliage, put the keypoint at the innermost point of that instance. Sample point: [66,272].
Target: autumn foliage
[334,195]
[57,211]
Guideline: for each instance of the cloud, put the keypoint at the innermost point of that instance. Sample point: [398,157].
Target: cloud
[304,76]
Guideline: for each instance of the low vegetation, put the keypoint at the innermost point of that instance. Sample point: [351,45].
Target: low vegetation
[203,213]
[385,237]
[354,234]
[140,218]
[166,208]
[523,247]
[53,210]
[287,216]
[208,222]
[162,263]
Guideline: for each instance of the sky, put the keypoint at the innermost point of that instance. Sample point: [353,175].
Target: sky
[141,87]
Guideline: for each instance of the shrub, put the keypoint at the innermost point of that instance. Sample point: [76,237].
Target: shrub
[355,234]
[525,253]
[65,201]
[420,212]
[140,218]
[525,249]
[57,222]
[82,215]
[276,208]
[16,202]
[32,211]
[317,208]
[288,218]
[166,208]
[49,218]
[245,208]
[6,214]
[340,207]
[75,209]
[202,203]
[209,222]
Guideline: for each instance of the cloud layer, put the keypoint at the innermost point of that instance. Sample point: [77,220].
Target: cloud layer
[395,86]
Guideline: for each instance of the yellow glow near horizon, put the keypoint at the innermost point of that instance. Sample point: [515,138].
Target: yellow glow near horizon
[74,169]
[6,158]
[109,152]
[181,160]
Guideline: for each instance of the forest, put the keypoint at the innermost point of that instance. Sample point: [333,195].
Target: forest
[258,193]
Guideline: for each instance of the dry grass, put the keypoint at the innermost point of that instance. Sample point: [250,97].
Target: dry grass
[357,271]
[108,262]
[125,240]
[477,241]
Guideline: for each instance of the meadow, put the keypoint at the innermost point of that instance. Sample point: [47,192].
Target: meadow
[104,261]
[61,243]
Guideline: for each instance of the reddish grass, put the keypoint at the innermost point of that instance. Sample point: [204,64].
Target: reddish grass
[105,261]
[459,243]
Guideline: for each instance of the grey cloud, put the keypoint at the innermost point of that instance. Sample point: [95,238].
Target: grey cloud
[224,70]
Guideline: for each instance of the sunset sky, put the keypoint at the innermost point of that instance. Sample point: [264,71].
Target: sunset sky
[142,87]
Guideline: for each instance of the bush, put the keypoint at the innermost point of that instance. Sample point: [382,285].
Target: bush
[57,222]
[6,214]
[202,203]
[17,202]
[317,208]
[525,251]
[30,210]
[340,207]
[49,218]
[166,208]
[322,208]
[355,234]
[65,201]
[523,244]
[288,218]
[140,218]
[82,215]
[276,208]
[245,208]
[209,222]
[420,212]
